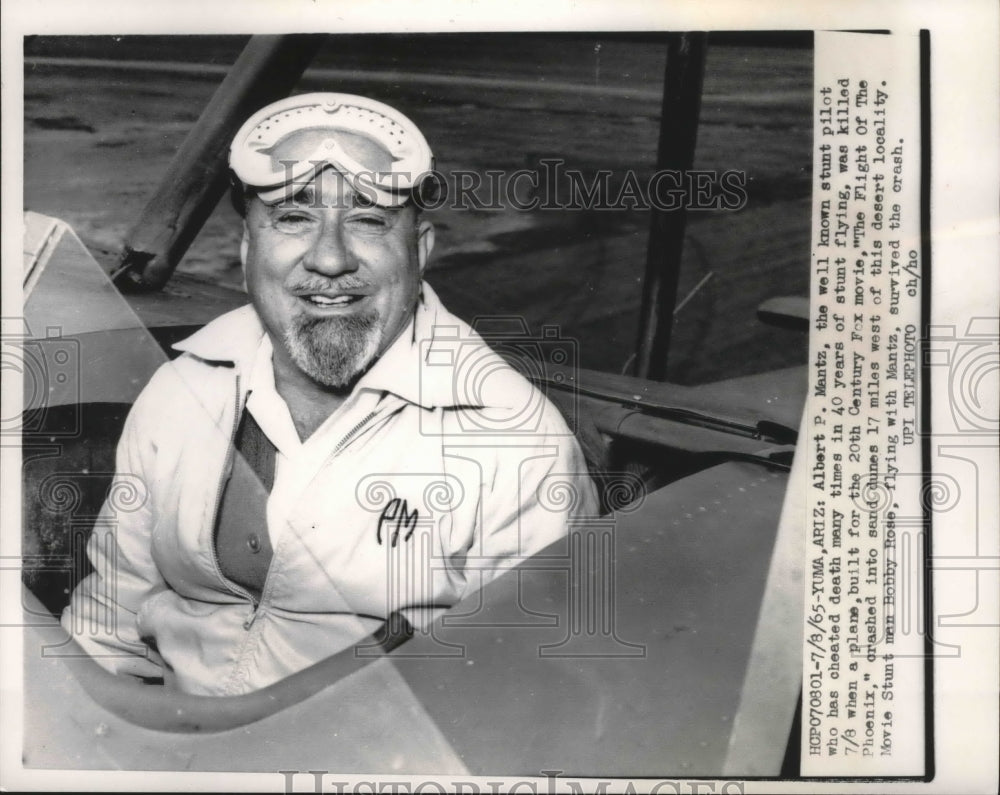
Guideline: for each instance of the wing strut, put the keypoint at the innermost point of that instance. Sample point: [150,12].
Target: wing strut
[266,70]
[682,83]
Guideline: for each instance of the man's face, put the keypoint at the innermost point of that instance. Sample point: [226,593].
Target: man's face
[334,282]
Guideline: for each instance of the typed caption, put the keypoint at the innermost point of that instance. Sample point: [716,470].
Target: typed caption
[862,700]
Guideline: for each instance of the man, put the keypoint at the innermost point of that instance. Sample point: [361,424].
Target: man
[338,452]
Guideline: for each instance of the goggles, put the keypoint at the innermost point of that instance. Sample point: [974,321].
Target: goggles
[282,147]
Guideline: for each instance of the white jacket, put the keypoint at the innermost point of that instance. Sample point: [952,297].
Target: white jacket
[484,471]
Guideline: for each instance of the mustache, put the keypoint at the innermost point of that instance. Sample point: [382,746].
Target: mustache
[343,285]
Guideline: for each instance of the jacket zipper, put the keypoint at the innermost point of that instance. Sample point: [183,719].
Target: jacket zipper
[353,432]
[255,606]
[349,436]
[233,587]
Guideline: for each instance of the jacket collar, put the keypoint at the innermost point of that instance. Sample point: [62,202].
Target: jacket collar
[420,366]
[233,337]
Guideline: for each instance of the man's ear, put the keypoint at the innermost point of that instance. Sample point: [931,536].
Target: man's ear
[425,243]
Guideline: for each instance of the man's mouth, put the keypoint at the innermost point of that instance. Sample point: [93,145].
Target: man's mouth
[321,300]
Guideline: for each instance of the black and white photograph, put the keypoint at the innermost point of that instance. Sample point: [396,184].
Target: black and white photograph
[425,405]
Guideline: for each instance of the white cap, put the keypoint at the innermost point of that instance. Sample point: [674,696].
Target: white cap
[282,147]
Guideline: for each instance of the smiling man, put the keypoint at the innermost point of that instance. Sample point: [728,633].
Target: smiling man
[334,279]
[341,452]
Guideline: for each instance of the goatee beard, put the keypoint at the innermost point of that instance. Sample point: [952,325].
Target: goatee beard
[334,351]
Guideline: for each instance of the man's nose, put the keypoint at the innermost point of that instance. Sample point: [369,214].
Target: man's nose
[328,253]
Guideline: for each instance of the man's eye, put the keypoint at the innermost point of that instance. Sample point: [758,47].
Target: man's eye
[371,222]
[292,220]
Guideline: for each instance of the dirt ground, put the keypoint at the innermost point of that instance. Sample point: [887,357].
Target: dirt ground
[99,138]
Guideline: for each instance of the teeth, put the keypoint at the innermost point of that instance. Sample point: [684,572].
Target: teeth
[322,300]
